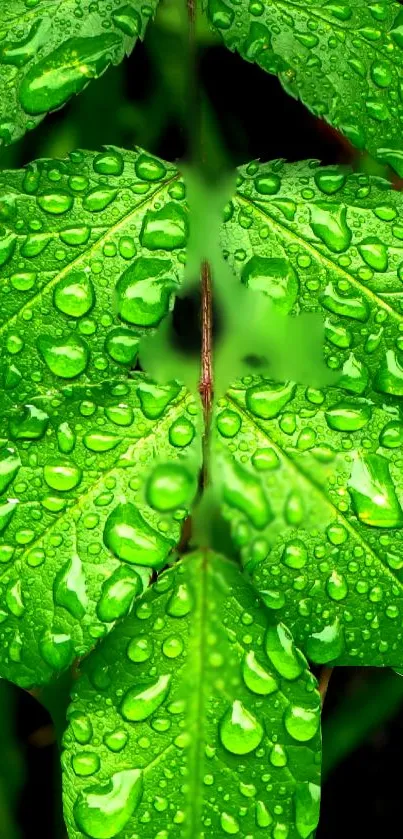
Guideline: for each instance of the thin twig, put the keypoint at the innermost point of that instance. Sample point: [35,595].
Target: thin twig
[206,387]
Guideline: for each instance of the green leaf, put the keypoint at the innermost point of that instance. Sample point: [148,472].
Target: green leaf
[50,51]
[91,251]
[196,714]
[342,59]
[312,480]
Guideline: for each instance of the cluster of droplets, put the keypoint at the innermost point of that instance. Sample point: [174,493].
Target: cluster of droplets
[311,483]
[342,61]
[70,259]
[70,509]
[141,744]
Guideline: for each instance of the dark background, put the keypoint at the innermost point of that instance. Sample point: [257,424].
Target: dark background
[143,103]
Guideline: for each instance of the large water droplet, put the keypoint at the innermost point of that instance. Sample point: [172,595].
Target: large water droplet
[29,423]
[274,276]
[62,475]
[266,401]
[102,811]
[326,645]
[282,653]
[131,539]
[74,295]
[9,465]
[307,806]
[118,593]
[65,357]
[66,70]
[256,678]
[245,492]
[389,375]
[302,723]
[56,649]
[328,222]
[164,229]
[143,291]
[347,416]
[140,702]
[373,493]
[170,486]
[240,731]
[69,587]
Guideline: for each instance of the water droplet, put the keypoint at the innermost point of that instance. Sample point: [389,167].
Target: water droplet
[62,476]
[180,602]
[66,438]
[336,586]
[244,491]
[74,295]
[295,554]
[154,399]
[256,678]
[9,465]
[356,308]
[99,199]
[285,658]
[275,277]
[229,824]
[102,811]
[14,600]
[122,346]
[326,645]
[140,702]
[391,435]
[109,162]
[81,727]
[307,806]
[131,539]
[328,222]
[170,486]
[149,168]
[347,416]
[228,423]
[116,740]
[85,763]
[240,731]
[302,723]
[389,375]
[118,593]
[29,423]
[267,401]
[55,203]
[7,511]
[165,229]
[373,493]
[140,649]
[263,817]
[172,647]
[65,71]
[181,432]
[56,649]
[65,357]
[69,587]
[144,290]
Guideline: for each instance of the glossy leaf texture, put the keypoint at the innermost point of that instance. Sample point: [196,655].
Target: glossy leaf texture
[343,60]
[313,479]
[50,51]
[197,716]
[90,253]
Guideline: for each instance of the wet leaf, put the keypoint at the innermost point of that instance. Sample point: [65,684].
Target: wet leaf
[342,59]
[199,682]
[51,51]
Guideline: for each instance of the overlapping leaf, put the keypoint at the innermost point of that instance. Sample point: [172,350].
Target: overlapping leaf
[342,59]
[197,716]
[313,478]
[51,50]
[90,253]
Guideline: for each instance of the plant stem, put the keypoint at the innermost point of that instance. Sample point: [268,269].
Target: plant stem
[206,377]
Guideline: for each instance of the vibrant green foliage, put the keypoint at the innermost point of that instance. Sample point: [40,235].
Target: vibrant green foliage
[51,50]
[342,59]
[313,478]
[196,716]
[89,263]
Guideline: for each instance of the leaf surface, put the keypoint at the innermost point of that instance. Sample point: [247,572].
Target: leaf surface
[90,257]
[312,478]
[197,715]
[51,49]
[342,60]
